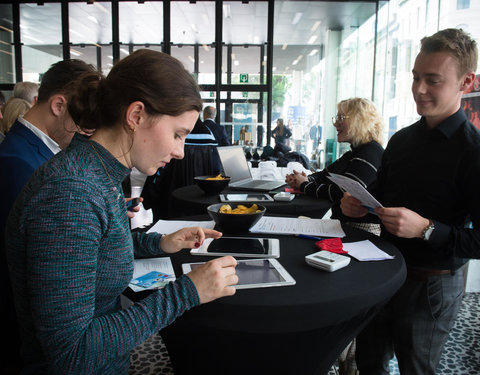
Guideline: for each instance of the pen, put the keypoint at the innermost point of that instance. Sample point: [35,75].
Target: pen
[309,237]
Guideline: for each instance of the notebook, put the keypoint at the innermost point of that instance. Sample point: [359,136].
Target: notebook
[235,165]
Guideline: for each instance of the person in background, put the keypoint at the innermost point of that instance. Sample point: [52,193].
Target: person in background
[69,246]
[31,141]
[14,108]
[218,130]
[281,133]
[428,186]
[358,123]
[26,90]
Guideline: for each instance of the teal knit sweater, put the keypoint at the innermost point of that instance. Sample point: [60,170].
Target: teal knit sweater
[70,253]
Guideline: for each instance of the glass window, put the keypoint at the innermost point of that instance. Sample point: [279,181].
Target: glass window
[7,55]
[141,23]
[194,25]
[186,54]
[41,37]
[243,56]
[91,33]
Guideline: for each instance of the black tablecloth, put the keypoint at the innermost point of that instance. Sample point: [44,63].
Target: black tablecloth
[191,200]
[298,329]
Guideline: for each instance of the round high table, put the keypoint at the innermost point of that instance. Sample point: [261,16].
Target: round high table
[191,200]
[298,329]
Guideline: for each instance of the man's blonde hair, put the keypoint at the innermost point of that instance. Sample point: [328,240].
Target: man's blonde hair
[458,44]
[365,123]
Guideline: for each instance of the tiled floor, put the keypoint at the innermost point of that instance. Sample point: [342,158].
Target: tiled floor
[461,353]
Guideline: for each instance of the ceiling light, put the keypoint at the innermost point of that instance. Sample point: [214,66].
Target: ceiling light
[74,52]
[34,39]
[236,63]
[102,8]
[312,39]
[205,19]
[315,25]
[297,17]
[313,52]
[227,12]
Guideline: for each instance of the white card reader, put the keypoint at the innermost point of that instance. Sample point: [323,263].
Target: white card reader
[327,261]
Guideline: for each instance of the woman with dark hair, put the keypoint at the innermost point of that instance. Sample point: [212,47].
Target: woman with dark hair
[69,246]
[281,134]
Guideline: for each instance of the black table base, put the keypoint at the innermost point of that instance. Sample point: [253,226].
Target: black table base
[195,349]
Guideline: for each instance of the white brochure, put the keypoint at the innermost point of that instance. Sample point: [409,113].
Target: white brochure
[356,190]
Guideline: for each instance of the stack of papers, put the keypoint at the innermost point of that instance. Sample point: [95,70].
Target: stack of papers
[365,251]
[170,226]
[288,225]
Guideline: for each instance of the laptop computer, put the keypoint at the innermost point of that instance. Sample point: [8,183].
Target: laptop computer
[236,167]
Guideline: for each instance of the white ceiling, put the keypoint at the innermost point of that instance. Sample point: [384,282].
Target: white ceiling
[299,26]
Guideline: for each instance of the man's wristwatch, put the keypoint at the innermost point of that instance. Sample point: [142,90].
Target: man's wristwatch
[427,232]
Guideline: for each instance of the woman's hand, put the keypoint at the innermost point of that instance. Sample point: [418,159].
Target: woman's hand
[131,212]
[296,179]
[187,238]
[215,278]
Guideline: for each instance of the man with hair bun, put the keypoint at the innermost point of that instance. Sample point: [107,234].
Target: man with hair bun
[32,140]
[428,184]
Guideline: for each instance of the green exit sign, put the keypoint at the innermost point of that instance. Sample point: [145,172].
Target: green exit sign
[243,77]
[245,94]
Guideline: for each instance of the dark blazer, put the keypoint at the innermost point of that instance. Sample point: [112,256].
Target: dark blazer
[21,153]
[219,132]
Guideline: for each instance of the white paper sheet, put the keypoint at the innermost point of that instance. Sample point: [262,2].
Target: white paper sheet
[356,189]
[170,226]
[288,225]
[144,266]
[365,251]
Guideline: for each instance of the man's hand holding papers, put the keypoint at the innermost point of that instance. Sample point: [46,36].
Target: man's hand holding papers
[356,190]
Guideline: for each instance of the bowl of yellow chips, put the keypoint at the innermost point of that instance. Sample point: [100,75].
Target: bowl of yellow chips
[235,217]
[212,184]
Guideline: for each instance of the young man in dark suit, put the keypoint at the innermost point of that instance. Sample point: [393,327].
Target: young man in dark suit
[428,184]
[44,130]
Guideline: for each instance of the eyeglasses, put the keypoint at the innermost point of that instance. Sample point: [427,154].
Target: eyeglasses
[339,118]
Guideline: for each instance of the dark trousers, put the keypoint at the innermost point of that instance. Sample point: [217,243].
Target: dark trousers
[414,325]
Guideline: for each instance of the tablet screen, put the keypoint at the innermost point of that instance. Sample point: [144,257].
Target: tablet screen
[239,246]
[258,271]
[259,197]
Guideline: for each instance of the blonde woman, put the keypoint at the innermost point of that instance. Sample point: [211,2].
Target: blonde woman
[14,108]
[358,123]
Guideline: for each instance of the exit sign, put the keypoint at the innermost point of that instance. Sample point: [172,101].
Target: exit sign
[243,78]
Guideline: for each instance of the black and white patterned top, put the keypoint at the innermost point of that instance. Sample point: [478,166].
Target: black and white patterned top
[359,164]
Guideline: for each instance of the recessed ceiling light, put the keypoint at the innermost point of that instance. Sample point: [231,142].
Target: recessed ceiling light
[296,18]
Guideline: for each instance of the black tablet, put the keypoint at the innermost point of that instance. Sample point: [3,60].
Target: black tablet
[246,247]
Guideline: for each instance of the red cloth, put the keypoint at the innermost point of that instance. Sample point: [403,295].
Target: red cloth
[333,245]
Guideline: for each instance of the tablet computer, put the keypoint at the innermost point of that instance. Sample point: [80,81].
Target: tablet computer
[256,273]
[251,197]
[244,247]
